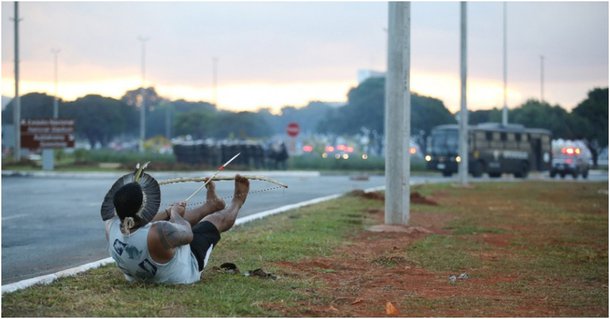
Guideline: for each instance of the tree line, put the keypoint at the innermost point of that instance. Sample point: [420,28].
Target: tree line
[587,121]
[101,119]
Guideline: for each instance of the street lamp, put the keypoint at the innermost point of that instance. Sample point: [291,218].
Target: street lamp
[17,99]
[541,78]
[463,143]
[215,80]
[55,101]
[143,98]
[505,106]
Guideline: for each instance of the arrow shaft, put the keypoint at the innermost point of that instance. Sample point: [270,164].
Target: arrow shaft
[222,167]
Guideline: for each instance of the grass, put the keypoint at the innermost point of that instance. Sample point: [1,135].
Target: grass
[103,292]
[556,246]
[547,242]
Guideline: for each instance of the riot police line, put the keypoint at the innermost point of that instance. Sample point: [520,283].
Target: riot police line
[254,155]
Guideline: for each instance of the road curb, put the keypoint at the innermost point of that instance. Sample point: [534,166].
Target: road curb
[47,279]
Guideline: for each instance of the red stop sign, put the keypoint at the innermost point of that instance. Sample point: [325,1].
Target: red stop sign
[293,129]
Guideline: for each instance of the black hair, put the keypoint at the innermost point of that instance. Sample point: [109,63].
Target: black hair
[128,200]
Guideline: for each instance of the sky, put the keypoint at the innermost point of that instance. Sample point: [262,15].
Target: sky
[275,54]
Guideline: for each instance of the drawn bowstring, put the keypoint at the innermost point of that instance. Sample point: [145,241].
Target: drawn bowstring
[226,198]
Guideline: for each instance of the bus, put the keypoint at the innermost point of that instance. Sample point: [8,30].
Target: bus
[493,149]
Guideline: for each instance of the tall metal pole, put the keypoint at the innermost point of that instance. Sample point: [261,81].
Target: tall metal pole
[463,151]
[397,114]
[168,121]
[215,80]
[541,78]
[56,99]
[17,99]
[48,154]
[143,96]
[505,105]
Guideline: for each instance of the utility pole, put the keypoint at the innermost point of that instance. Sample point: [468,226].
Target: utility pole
[168,121]
[215,81]
[48,154]
[17,99]
[143,96]
[505,107]
[463,151]
[541,78]
[56,99]
[398,114]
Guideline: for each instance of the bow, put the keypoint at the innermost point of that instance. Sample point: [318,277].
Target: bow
[220,178]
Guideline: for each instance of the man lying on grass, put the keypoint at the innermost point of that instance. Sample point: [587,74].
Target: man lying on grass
[176,244]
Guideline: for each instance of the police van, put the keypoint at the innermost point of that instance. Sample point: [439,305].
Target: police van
[570,158]
[493,149]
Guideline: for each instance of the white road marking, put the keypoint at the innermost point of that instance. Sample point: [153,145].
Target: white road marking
[14,217]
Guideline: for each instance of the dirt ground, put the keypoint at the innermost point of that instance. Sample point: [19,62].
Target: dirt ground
[369,277]
[359,279]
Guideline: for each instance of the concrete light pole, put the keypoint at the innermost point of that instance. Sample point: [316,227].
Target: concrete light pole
[541,78]
[398,114]
[17,99]
[215,81]
[143,97]
[56,99]
[505,107]
[463,151]
[168,121]
[48,154]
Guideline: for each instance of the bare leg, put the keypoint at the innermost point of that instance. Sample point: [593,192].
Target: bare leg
[213,204]
[224,219]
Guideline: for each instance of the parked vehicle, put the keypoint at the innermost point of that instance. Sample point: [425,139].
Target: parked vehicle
[493,148]
[570,158]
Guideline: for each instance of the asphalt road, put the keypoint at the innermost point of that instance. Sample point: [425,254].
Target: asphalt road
[53,223]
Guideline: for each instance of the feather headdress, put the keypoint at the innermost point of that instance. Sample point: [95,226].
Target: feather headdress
[151,193]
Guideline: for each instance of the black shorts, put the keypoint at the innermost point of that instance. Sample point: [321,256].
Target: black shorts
[205,238]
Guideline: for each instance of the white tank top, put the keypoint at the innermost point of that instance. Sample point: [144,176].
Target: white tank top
[131,255]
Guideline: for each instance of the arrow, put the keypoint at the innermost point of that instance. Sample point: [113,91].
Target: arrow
[222,167]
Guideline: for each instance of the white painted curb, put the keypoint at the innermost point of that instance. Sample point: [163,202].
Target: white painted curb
[47,279]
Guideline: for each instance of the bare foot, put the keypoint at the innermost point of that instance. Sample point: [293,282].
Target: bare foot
[215,203]
[242,186]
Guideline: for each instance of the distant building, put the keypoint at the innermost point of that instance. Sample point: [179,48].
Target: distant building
[365,74]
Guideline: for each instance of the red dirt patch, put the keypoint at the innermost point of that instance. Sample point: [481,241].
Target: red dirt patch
[415,197]
[363,276]
[369,195]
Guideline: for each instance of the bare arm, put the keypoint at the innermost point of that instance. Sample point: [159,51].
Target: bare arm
[164,236]
[175,233]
